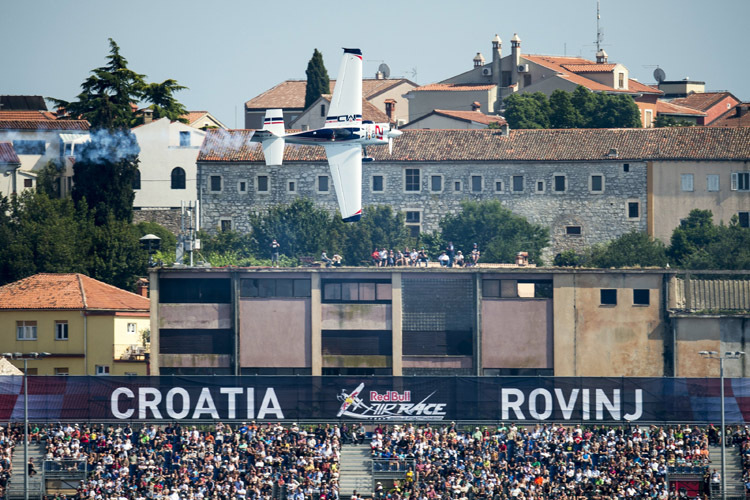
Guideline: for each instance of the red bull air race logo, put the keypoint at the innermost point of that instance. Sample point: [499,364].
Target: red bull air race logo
[388,405]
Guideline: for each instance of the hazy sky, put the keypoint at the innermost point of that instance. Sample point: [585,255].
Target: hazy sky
[227,52]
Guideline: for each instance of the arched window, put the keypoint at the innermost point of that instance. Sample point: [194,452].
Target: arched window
[178,178]
[137,180]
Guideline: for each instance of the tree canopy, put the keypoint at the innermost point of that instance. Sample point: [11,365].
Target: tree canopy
[578,109]
[318,82]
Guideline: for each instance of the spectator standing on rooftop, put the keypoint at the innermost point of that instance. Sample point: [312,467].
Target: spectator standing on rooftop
[475,255]
[275,253]
[451,251]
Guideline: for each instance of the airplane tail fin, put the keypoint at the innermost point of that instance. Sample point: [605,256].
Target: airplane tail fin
[346,102]
[273,145]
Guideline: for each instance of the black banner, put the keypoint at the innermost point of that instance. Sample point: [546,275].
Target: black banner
[517,399]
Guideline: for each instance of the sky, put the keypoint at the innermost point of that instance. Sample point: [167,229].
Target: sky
[229,51]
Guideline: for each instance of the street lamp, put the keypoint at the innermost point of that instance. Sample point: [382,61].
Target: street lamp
[25,358]
[721,358]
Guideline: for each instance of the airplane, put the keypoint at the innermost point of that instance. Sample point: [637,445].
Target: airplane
[350,399]
[344,136]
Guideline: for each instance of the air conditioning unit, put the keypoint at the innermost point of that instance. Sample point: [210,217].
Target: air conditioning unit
[486,71]
[523,68]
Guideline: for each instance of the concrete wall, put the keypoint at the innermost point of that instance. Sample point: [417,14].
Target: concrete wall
[517,333]
[195,316]
[710,333]
[356,316]
[275,332]
[608,340]
[671,203]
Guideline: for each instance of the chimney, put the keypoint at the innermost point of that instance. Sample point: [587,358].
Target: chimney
[379,75]
[478,60]
[601,57]
[475,106]
[515,53]
[141,287]
[390,109]
[497,55]
[148,116]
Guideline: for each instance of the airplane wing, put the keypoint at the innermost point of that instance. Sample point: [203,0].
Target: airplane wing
[345,162]
[350,399]
[346,102]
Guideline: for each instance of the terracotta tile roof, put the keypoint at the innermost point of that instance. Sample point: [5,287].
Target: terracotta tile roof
[44,125]
[454,87]
[8,154]
[27,115]
[559,63]
[369,111]
[471,116]
[291,93]
[69,292]
[589,68]
[670,108]
[193,116]
[738,116]
[676,143]
[702,101]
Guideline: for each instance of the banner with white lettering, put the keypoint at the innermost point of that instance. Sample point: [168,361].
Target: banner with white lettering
[517,399]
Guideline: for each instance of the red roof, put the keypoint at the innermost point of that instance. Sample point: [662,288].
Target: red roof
[471,116]
[589,68]
[562,65]
[420,145]
[670,108]
[738,116]
[44,125]
[291,93]
[27,115]
[69,292]
[702,101]
[8,154]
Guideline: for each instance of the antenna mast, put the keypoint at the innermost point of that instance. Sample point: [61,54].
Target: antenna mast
[599,34]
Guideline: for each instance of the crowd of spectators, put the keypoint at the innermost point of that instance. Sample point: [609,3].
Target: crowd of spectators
[450,257]
[543,461]
[254,461]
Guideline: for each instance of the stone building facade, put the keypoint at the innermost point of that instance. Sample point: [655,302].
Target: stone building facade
[586,186]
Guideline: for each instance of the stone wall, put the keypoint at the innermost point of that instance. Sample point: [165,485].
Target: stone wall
[168,217]
[600,216]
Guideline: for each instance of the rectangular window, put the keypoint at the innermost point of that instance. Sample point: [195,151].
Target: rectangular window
[215,183]
[377,183]
[64,370]
[744,219]
[436,183]
[608,297]
[413,223]
[517,183]
[411,179]
[340,291]
[597,183]
[267,287]
[686,182]
[539,186]
[61,330]
[573,230]
[242,187]
[262,183]
[634,210]
[712,182]
[132,328]
[621,80]
[641,297]
[457,186]
[322,183]
[27,183]
[499,186]
[626,167]
[740,181]
[323,110]
[559,183]
[476,183]
[291,187]
[648,121]
[25,330]
[29,147]
[102,370]
[225,225]
[184,139]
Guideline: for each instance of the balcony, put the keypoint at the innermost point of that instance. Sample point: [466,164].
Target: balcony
[132,352]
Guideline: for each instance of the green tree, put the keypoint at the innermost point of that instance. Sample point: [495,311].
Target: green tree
[48,180]
[318,82]
[116,254]
[108,94]
[615,111]
[104,173]
[584,101]
[379,227]
[527,111]
[564,114]
[499,233]
[692,236]
[633,249]
[163,102]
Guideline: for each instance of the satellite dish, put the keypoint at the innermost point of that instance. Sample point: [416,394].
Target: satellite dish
[383,68]
[659,75]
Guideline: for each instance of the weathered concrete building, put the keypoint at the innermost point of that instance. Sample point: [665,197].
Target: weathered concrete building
[586,185]
[428,321]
